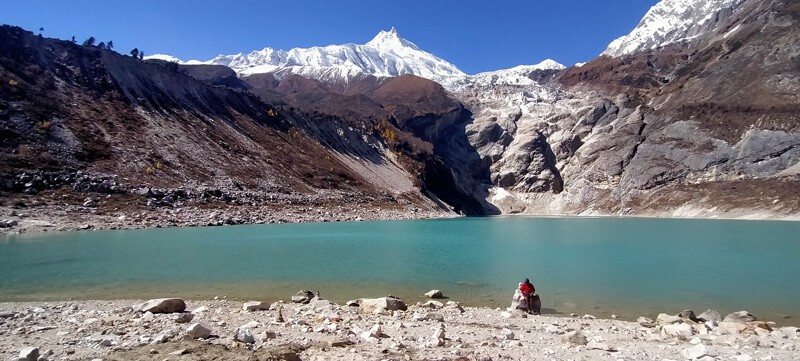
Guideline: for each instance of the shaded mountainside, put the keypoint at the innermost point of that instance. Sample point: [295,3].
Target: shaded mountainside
[66,108]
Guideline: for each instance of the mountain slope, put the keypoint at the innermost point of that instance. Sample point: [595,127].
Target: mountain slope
[70,113]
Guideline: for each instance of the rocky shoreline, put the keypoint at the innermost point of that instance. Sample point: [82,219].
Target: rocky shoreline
[309,328]
[70,201]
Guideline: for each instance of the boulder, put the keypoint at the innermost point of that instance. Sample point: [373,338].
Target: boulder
[710,316]
[645,322]
[665,319]
[695,352]
[742,316]
[680,330]
[791,332]
[255,306]
[197,330]
[731,327]
[438,333]
[434,294]
[303,297]
[161,305]
[432,304]
[377,305]
[689,315]
[184,317]
[29,354]
[451,305]
[244,335]
[576,338]
[518,303]
[506,334]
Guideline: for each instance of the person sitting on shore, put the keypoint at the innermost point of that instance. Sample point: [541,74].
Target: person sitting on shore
[528,291]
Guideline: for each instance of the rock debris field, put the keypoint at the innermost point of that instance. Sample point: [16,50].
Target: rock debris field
[310,328]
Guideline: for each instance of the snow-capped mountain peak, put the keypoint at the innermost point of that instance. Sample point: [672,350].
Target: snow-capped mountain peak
[387,54]
[390,40]
[673,21]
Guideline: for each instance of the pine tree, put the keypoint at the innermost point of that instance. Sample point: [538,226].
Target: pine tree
[110,45]
[141,55]
[73,39]
[102,45]
[41,30]
[89,42]
[135,52]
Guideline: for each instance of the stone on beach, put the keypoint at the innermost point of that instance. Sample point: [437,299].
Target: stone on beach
[184,317]
[740,316]
[711,316]
[382,304]
[245,335]
[645,322]
[255,306]
[680,330]
[303,296]
[161,305]
[695,352]
[665,319]
[29,354]
[576,338]
[434,294]
[197,330]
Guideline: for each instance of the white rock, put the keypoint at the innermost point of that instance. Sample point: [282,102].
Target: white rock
[255,306]
[250,325]
[790,332]
[588,317]
[434,294]
[506,334]
[505,314]
[383,304]
[197,330]
[376,331]
[730,328]
[200,310]
[694,352]
[29,354]
[433,304]
[743,357]
[665,319]
[682,330]
[245,335]
[438,333]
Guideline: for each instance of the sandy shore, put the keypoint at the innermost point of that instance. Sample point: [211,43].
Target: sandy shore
[322,330]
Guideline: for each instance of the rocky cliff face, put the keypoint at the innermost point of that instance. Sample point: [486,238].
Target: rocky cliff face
[706,127]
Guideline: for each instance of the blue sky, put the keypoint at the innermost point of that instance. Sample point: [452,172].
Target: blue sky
[476,36]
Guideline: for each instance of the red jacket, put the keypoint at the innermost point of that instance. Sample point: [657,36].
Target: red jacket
[527,289]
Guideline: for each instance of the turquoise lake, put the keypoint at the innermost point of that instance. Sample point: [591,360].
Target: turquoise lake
[601,266]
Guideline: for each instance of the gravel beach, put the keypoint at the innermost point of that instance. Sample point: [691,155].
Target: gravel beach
[369,329]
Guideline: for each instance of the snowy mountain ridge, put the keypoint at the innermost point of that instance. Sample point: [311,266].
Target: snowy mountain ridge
[385,55]
[673,21]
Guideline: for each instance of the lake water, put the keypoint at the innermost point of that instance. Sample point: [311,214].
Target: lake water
[601,266]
